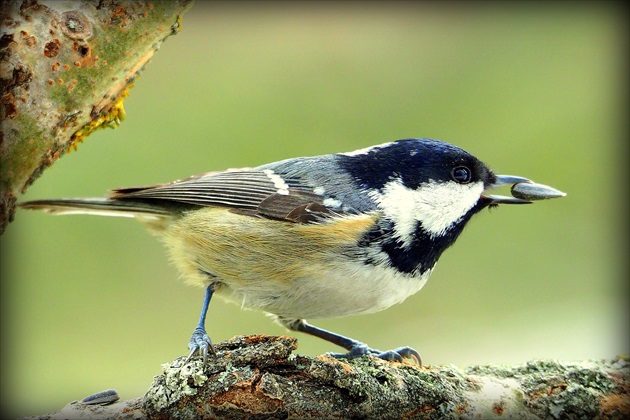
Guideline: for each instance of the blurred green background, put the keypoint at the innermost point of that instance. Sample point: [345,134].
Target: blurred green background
[533,90]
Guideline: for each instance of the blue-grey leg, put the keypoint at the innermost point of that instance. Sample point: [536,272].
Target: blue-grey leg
[355,348]
[200,342]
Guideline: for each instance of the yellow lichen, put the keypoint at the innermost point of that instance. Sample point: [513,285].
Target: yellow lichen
[108,119]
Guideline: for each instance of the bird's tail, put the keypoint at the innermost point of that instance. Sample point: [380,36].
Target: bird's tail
[97,206]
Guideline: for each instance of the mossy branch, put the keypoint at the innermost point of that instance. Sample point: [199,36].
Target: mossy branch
[65,68]
[259,377]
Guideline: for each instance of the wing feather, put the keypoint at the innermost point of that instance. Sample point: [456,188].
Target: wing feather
[247,191]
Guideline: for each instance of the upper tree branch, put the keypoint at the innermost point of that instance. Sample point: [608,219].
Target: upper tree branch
[65,69]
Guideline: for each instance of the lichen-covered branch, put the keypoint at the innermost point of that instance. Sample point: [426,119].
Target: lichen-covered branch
[65,68]
[259,377]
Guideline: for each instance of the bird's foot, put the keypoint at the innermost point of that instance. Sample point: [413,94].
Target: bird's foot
[200,343]
[396,355]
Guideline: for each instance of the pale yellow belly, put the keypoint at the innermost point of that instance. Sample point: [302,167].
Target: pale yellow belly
[287,269]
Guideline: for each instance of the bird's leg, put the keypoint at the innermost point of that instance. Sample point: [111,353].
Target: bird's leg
[355,348]
[200,342]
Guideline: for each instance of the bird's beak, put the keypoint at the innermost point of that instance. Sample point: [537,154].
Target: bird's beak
[502,199]
[523,190]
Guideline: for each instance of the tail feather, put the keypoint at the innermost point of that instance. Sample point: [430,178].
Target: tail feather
[96,206]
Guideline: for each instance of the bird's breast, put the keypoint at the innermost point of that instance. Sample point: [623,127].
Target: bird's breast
[334,290]
[288,269]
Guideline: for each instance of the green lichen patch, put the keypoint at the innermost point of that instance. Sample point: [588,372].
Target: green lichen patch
[20,160]
[177,380]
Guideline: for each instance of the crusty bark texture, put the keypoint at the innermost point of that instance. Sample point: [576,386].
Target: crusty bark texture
[260,377]
[65,68]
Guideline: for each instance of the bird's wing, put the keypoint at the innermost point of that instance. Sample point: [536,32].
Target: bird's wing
[256,192]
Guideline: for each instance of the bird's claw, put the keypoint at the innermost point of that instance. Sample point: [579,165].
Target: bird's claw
[200,343]
[396,355]
[401,353]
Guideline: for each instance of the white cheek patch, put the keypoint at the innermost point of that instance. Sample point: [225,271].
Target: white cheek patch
[436,205]
[278,182]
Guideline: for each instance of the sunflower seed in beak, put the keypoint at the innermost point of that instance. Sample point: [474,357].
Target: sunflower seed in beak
[533,191]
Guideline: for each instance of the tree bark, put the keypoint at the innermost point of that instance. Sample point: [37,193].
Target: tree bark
[65,68]
[259,377]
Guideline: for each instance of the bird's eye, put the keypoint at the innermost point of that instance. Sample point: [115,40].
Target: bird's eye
[461,174]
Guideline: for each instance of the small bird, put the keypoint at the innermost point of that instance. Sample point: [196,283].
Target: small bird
[315,237]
